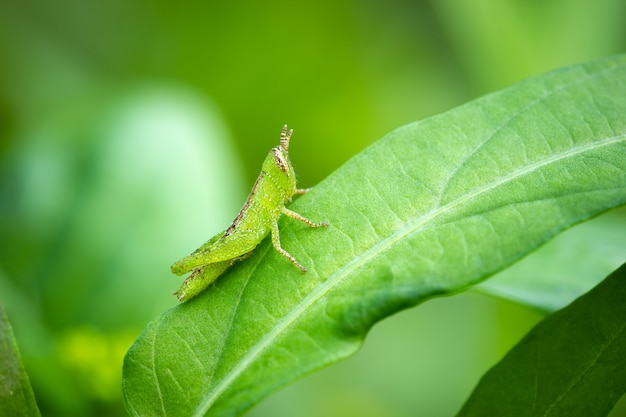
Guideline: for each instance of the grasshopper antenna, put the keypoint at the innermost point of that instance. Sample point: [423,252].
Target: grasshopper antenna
[285,137]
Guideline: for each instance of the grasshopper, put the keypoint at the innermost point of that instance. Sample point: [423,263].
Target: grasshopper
[275,187]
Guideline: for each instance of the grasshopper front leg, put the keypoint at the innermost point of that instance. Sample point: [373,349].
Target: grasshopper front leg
[303,219]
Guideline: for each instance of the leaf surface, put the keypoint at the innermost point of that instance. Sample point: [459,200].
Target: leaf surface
[553,277]
[573,363]
[430,209]
[16,395]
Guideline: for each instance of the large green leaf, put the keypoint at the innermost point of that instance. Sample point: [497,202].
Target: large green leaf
[16,395]
[430,209]
[553,277]
[571,364]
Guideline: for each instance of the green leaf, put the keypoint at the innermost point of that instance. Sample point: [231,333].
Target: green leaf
[573,363]
[553,277]
[16,395]
[430,209]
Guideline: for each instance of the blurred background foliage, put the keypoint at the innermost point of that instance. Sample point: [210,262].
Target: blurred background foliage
[131,131]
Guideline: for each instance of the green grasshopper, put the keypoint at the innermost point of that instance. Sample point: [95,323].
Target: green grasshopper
[274,188]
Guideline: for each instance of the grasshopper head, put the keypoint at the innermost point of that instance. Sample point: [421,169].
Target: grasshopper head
[278,166]
[281,152]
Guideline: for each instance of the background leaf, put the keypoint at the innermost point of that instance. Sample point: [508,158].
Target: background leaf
[77,226]
[430,209]
[16,395]
[571,364]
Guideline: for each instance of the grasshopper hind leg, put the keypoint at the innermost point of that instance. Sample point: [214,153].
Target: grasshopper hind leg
[276,244]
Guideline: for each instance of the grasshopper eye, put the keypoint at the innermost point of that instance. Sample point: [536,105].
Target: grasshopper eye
[280,160]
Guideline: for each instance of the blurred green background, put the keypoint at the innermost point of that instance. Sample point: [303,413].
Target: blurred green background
[131,132]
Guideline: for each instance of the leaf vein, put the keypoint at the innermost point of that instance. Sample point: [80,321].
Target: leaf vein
[155,373]
[190,348]
[513,116]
